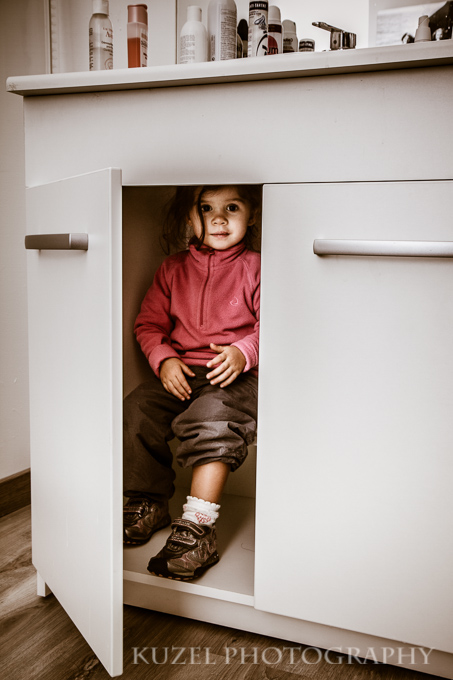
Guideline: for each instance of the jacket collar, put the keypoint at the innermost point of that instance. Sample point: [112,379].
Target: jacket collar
[216,257]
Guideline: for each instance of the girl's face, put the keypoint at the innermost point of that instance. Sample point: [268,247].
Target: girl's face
[227,217]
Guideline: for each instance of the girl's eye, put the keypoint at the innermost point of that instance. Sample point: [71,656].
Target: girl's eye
[205,208]
[232,207]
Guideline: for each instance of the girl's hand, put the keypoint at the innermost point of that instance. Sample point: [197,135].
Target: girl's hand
[231,362]
[172,374]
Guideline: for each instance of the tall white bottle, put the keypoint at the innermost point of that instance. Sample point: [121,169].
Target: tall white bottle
[193,39]
[100,37]
[222,29]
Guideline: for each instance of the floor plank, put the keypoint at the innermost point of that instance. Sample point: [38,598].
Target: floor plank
[38,641]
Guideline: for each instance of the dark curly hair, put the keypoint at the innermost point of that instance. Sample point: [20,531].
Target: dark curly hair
[174,232]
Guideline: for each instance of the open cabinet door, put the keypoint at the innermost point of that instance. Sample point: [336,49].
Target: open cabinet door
[76,401]
[355,434]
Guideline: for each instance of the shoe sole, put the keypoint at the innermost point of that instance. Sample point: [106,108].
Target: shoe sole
[197,573]
[137,541]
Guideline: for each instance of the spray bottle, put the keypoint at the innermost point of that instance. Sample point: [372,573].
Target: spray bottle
[258,38]
[222,31]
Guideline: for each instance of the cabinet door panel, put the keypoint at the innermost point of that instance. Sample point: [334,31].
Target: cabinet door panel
[355,439]
[76,404]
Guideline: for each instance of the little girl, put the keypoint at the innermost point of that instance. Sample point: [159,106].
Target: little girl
[198,327]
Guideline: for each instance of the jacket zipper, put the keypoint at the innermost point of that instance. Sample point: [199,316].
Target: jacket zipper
[203,293]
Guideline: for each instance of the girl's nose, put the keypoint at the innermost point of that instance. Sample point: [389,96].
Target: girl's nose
[219,217]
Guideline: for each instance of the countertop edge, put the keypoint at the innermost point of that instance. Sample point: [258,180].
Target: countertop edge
[283,66]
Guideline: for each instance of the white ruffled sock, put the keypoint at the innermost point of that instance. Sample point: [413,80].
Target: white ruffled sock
[200,511]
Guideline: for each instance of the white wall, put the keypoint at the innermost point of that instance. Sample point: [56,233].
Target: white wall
[22,45]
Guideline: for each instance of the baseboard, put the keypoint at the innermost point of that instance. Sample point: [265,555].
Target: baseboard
[14,492]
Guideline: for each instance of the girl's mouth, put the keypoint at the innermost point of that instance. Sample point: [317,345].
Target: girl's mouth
[220,234]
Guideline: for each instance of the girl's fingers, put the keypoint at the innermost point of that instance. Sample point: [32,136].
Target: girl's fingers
[218,359]
[182,388]
[178,387]
[187,370]
[228,374]
[172,390]
[229,381]
[217,371]
[216,348]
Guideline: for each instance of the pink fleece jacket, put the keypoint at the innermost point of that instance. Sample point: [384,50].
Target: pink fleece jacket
[198,297]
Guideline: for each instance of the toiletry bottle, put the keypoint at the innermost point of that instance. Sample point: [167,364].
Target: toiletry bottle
[306,45]
[137,35]
[193,39]
[100,37]
[290,43]
[258,16]
[243,31]
[274,30]
[423,33]
[222,31]
[239,46]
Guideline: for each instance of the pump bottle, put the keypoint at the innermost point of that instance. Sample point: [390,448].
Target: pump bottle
[100,37]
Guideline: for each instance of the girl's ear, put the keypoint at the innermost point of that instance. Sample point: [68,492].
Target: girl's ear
[252,219]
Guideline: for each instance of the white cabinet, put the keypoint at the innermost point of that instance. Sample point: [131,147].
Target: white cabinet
[354,502]
[75,403]
[354,435]
[353,512]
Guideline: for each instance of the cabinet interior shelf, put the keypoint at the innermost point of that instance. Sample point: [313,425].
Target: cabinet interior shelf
[232,579]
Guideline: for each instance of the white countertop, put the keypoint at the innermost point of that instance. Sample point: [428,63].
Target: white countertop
[296,65]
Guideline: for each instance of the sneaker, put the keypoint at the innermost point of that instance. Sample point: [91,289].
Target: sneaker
[190,549]
[141,518]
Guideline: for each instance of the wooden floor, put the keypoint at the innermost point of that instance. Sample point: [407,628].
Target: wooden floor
[39,641]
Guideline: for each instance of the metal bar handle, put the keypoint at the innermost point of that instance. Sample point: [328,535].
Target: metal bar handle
[56,242]
[383,248]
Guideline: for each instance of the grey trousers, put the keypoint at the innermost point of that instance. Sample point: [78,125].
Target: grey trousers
[215,424]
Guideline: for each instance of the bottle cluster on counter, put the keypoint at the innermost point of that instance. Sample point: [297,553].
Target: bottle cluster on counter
[264,33]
